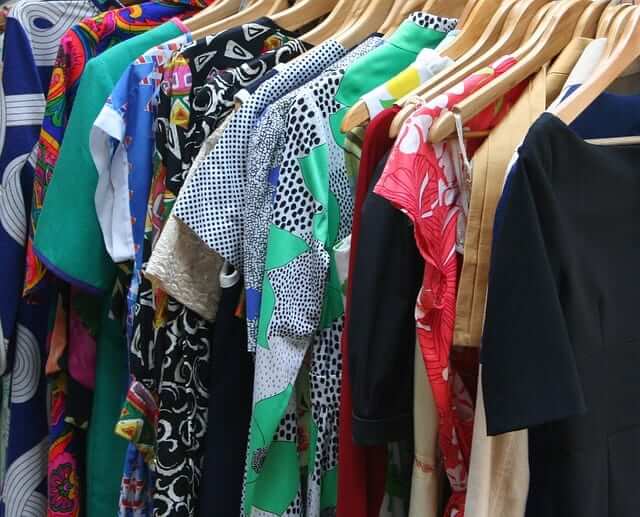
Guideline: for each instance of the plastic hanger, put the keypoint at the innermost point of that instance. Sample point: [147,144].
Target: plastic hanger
[588,22]
[510,38]
[303,12]
[546,44]
[625,53]
[213,13]
[475,25]
[259,9]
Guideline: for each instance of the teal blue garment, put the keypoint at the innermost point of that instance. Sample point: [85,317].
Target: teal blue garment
[68,236]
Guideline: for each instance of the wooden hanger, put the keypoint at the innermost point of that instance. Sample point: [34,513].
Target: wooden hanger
[399,13]
[303,12]
[616,30]
[213,13]
[471,6]
[445,8]
[608,15]
[332,25]
[259,9]
[588,22]
[509,40]
[625,54]
[538,19]
[368,17]
[546,44]
[475,25]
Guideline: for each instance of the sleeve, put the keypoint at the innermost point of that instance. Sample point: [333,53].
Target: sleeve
[386,279]
[107,146]
[529,369]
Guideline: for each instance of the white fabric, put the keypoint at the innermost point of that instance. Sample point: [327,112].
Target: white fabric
[112,190]
[584,68]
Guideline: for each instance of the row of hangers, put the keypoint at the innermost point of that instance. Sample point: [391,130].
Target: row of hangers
[346,21]
[534,32]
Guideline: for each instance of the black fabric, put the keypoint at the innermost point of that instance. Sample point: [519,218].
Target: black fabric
[561,350]
[382,331]
[230,398]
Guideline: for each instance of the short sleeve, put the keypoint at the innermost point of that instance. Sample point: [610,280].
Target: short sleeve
[529,370]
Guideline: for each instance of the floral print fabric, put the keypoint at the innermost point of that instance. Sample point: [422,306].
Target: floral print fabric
[423,181]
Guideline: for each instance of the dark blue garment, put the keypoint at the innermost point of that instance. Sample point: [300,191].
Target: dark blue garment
[230,398]
[609,116]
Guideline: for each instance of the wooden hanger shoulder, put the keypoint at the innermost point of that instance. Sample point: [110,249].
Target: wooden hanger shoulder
[588,22]
[398,14]
[257,10]
[516,23]
[303,12]
[476,26]
[367,21]
[537,20]
[546,44]
[331,25]
[213,13]
[446,8]
[616,29]
[625,53]
[608,16]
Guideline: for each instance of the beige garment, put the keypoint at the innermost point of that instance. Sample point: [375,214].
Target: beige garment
[181,264]
[427,476]
[489,166]
[499,470]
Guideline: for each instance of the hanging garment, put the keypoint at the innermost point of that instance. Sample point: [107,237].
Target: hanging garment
[424,182]
[216,224]
[222,175]
[32,33]
[180,265]
[77,47]
[212,104]
[274,450]
[571,270]
[167,336]
[499,473]
[230,390]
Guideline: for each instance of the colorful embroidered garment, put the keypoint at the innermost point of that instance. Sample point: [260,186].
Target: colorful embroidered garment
[425,182]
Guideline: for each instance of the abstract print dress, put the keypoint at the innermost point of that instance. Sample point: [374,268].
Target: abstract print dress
[426,181]
[168,338]
[32,34]
[293,433]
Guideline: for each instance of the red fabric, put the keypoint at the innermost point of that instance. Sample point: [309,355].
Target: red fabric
[362,474]
[420,179]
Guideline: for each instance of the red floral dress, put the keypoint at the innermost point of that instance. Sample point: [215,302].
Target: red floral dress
[423,180]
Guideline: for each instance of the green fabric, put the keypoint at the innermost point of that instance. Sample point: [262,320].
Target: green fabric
[68,235]
[105,450]
[380,65]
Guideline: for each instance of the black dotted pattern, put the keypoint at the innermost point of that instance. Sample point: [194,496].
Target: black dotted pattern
[213,203]
[429,21]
